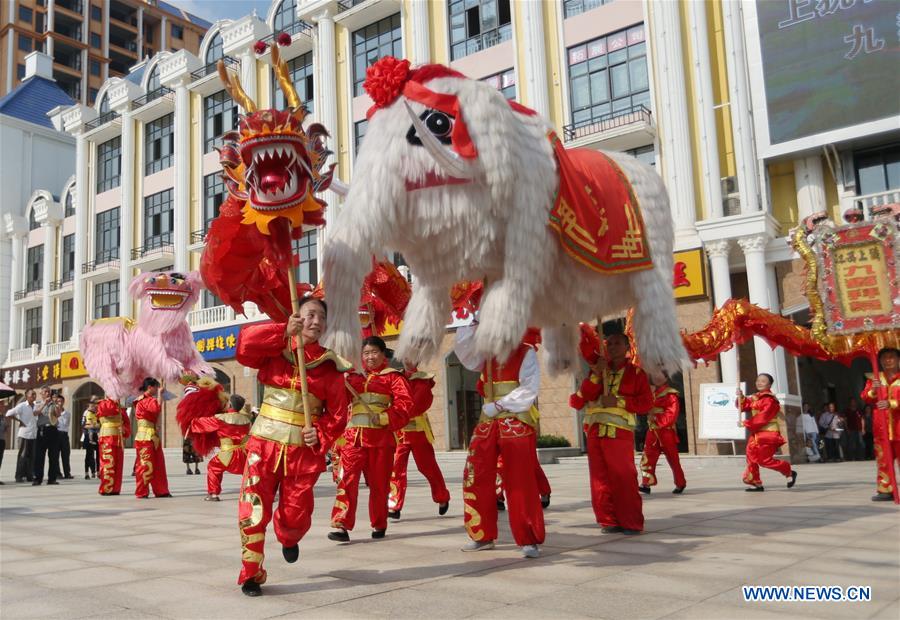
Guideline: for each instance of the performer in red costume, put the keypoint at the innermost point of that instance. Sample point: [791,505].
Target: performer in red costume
[232,427]
[381,405]
[883,393]
[764,436]
[150,461]
[542,482]
[612,395]
[506,428]
[662,437]
[114,427]
[282,457]
[416,437]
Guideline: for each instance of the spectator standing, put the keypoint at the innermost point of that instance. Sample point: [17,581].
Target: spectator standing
[856,427]
[90,441]
[24,413]
[809,430]
[831,424]
[46,447]
[62,433]
[4,426]
[868,436]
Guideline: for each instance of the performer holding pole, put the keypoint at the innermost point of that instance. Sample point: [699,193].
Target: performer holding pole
[882,391]
[764,436]
[662,438]
[150,461]
[416,438]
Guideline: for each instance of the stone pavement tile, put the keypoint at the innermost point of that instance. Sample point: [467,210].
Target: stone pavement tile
[13,554]
[598,601]
[571,568]
[73,605]
[432,566]
[519,612]
[703,569]
[399,603]
[684,586]
[707,610]
[76,579]
[318,591]
[69,548]
[44,565]
[891,611]
[493,587]
[838,610]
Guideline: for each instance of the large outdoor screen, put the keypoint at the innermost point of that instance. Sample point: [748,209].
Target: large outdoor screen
[828,64]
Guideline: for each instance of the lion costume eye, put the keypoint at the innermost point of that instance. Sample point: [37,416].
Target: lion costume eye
[438,123]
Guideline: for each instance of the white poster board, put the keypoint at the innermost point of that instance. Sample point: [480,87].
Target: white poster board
[718,414]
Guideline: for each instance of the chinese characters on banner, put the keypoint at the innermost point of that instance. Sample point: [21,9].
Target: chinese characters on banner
[860,39]
[32,375]
[217,344]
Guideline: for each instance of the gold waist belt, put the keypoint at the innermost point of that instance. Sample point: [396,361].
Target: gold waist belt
[771,426]
[366,420]
[281,417]
[110,429]
[529,417]
[289,400]
[613,416]
[418,423]
[295,418]
[146,431]
[226,444]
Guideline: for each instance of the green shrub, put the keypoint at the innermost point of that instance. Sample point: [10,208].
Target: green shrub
[553,441]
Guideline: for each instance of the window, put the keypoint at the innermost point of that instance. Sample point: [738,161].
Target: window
[877,170]
[211,300]
[644,154]
[25,14]
[159,144]
[24,43]
[608,76]
[220,114]
[177,31]
[96,41]
[106,299]
[68,258]
[306,248]
[159,220]
[301,71]
[39,26]
[359,132]
[32,326]
[577,7]
[107,236]
[35,264]
[214,194]
[95,68]
[96,13]
[70,203]
[383,38]
[286,18]
[476,25]
[93,95]
[65,320]
[214,52]
[20,72]
[109,164]
[505,82]
[153,82]
[32,221]
[104,104]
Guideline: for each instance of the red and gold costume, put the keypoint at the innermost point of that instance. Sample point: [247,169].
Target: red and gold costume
[232,428]
[382,405]
[885,427]
[506,428]
[114,427]
[278,461]
[543,484]
[416,437]
[610,441]
[150,461]
[764,436]
[662,437]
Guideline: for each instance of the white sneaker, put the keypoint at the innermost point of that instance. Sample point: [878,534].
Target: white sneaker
[530,551]
[474,545]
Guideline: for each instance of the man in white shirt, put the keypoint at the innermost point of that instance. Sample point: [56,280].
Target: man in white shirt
[62,432]
[24,413]
[809,430]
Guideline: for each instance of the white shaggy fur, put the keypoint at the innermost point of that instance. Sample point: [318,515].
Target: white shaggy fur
[494,228]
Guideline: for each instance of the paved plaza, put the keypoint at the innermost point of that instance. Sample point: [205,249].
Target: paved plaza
[66,552]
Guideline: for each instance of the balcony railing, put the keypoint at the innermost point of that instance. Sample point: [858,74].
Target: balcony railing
[21,294]
[101,120]
[24,355]
[199,236]
[73,5]
[296,27]
[54,349]
[58,284]
[106,259]
[153,95]
[867,201]
[154,245]
[202,72]
[222,314]
[636,114]
[346,5]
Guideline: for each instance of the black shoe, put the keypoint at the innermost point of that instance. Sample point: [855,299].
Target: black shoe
[20,480]
[197,471]
[166,495]
[883,497]
[501,505]
[758,489]
[291,554]
[70,477]
[545,500]
[678,490]
[611,529]
[793,479]
[87,477]
[189,472]
[378,534]
[339,536]
[443,508]
[251,588]
[52,482]
[394,514]
[644,489]
[630,532]
[2,483]
[140,496]
[36,483]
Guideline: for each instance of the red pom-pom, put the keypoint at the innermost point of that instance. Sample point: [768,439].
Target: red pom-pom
[576,401]
[385,80]
[284,39]
[260,47]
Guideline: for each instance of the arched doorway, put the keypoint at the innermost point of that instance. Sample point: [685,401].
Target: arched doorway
[79,405]
[463,402]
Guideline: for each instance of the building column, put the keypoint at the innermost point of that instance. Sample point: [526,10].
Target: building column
[51,21]
[421,41]
[717,251]
[182,162]
[248,74]
[10,62]
[809,180]
[126,210]
[17,238]
[326,101]
[781,382]
[677,165]
[82,221]
[739,98]
[164,34]
[535,71]
[140,33]
[754,248]
[105,41]
[47,277]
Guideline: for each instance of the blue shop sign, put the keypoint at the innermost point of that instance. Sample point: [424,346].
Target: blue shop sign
[217,344]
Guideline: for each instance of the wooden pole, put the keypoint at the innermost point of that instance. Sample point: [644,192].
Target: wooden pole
[301,363]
